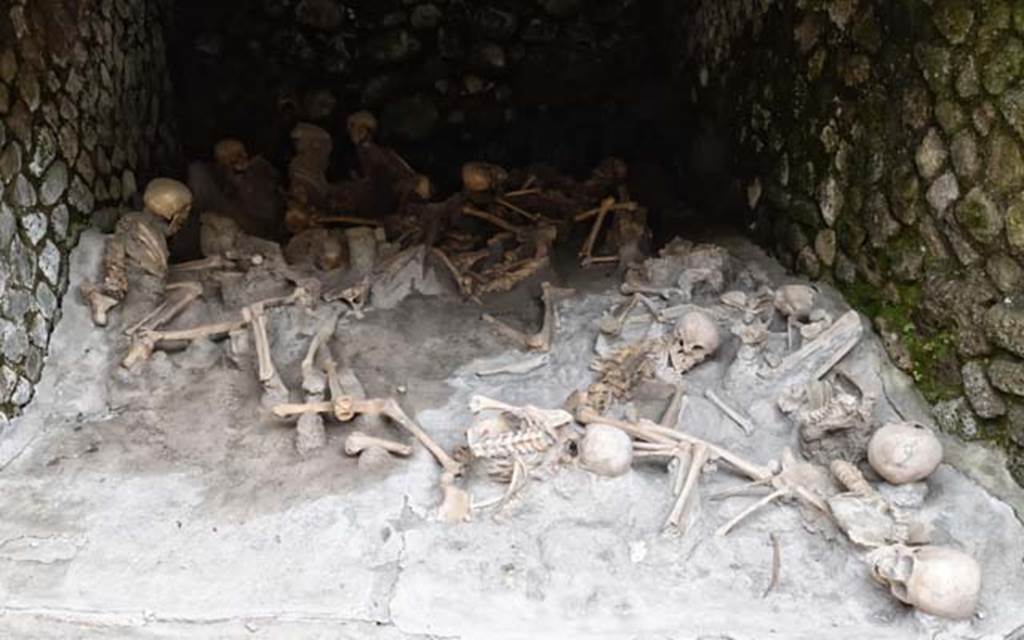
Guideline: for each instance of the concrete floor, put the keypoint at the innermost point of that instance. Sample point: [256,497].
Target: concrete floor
[169,506]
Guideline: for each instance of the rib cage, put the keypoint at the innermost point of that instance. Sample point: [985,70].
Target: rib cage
[512,443]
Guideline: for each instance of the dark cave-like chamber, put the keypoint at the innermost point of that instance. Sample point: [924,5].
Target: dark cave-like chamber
[517,82]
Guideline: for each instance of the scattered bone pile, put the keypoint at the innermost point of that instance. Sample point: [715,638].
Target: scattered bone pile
[369,240]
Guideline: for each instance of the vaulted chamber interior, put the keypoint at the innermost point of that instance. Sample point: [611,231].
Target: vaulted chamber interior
[517,83]
[876,147]
[425,359]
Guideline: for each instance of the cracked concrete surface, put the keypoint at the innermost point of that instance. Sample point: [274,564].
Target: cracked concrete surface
[169,506]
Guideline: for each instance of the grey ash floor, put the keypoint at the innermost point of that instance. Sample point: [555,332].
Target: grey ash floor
[169,507]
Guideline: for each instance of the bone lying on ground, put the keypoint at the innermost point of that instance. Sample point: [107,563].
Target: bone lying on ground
[540,341]
[345,408]
[179,296]
[357,442]
[517,367]
[734,414]
[820,355]
[144,343]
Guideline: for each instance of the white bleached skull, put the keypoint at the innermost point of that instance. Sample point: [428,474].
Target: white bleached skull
[903,452]
[795,301]
[695,339]
[937,580]
[606,450]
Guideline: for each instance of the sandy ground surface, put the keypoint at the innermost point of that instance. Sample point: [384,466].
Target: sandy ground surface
[168,505]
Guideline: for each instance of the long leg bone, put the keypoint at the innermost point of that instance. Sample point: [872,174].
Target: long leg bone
[533,217]
[596,211]
[612,324]
[180,295]
[656,433]
[357,442]
[588,245]
[390,408]
[790,481]
[145,342]
[312,379]
[464,283]
[202,264]
[675,409]
[728,526]
[273,386]
[491,218]
[356,220]
[734,415]
[345,408]
[514,274]
[679,516]
[540,341]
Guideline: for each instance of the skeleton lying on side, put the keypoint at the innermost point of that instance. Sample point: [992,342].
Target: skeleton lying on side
[518,444]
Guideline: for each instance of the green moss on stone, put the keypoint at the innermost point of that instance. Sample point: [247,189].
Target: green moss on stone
[979,216]
[994,19]
[867,33]
[950,116]
[954,19]
[1015,223]
[1011,104]
[1005,162]
[905,187]
[850,234]
[1017,11]
[1003,65]
[935,366]
[935,65]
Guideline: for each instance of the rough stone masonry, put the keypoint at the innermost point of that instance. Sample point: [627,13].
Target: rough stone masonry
[881,142]
[885,144]
[80,88]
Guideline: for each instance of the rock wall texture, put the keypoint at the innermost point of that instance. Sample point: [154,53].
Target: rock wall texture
[80,98]
[563,81]
[882,142]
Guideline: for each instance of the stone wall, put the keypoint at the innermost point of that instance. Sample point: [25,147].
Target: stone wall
[881,143]
[80,99]
[514,81]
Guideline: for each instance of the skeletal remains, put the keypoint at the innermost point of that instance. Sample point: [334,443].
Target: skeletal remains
[497,233]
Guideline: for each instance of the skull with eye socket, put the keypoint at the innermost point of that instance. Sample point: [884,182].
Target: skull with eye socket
[937,580]
[695,339]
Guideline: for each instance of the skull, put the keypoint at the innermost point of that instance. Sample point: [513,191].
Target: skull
[937,580]
[903,452]
[481,177]
[606,450]
[696,339]
[170,200]
[795,301]
[231,154]
[362,125]
[313,143]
